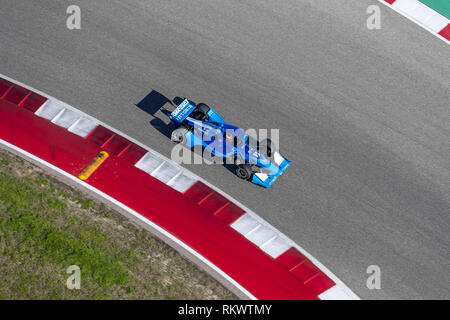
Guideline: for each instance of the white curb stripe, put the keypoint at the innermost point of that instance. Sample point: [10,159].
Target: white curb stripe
[83,126]
[334,293]
[276,247]
[422,15]
[49,110]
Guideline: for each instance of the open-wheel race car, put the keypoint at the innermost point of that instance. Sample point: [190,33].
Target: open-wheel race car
[200,125]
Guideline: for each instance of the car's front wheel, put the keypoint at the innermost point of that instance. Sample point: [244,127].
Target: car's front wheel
[244,171]
[201,112]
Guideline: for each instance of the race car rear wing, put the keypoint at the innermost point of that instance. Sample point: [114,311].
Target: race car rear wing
[181,112]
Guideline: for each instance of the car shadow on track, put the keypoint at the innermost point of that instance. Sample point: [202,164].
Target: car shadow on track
[156,104]
[153,102]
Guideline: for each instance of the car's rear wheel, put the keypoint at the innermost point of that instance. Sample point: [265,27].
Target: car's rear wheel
[179,135]
[201,112]
[244,171]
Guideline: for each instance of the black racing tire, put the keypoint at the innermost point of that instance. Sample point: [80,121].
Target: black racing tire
[268,143]
[244,171]
[201,112]
[203,108]
[179,135]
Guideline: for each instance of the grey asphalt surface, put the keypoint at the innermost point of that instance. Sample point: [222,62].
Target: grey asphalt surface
[364,115]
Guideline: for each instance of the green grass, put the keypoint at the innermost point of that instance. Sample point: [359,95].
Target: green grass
[45,227]
[23,203]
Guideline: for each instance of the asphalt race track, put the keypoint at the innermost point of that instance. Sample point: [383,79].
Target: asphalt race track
[364,115]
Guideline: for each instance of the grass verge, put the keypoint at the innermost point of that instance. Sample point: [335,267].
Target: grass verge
[46,226]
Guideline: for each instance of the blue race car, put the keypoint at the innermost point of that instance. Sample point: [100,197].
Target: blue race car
[199,125]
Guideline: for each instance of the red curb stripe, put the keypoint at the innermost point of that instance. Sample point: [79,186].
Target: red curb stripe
[5,86]
[100,135]
[30,100]
[133,154]
[230,213]
[291,258]
[16,94]
[304,270]
[446,32]
[214,202]
[34,102]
